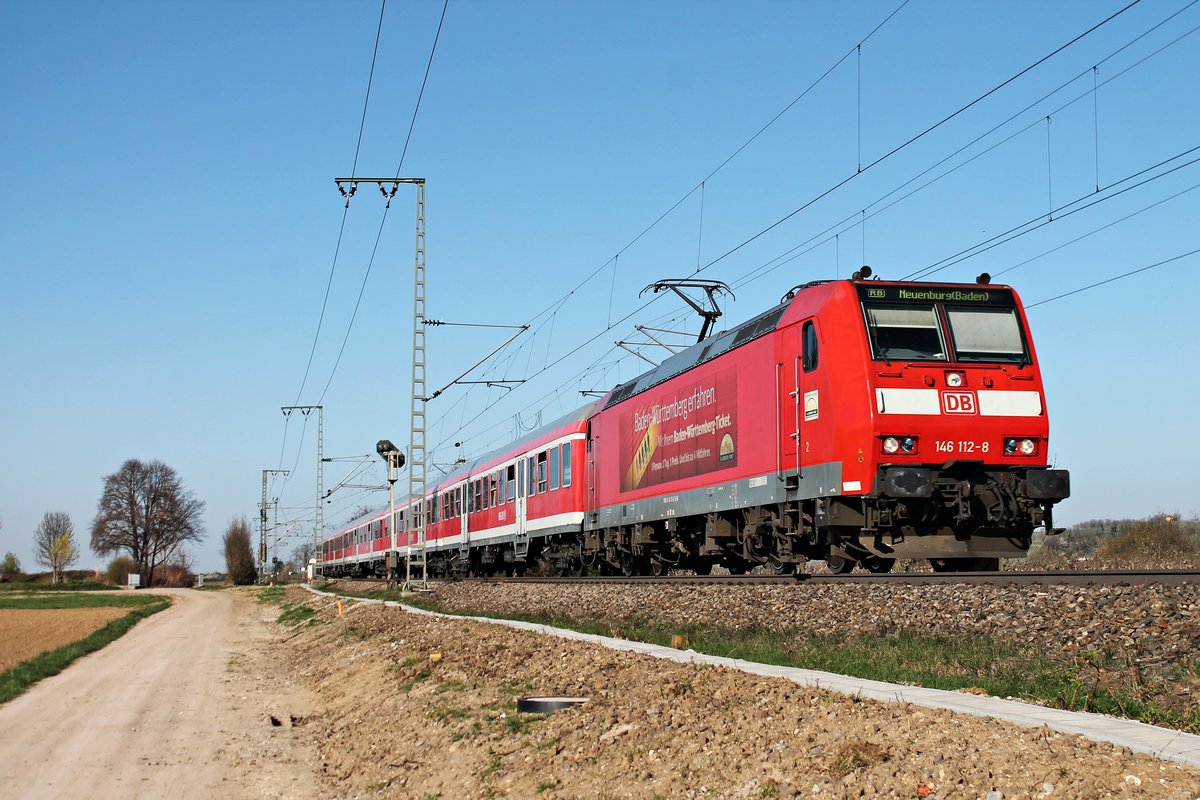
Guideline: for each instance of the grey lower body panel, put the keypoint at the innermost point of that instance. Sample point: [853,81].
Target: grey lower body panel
[820,480]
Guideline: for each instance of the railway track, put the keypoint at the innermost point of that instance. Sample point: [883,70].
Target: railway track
[1071,578]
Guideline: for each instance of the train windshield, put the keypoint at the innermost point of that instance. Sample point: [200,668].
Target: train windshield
[905,333]
[943,324]
[986,334]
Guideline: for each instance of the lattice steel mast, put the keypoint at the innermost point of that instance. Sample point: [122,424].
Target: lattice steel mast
[417,515]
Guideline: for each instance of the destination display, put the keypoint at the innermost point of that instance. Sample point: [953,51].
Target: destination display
[981,295]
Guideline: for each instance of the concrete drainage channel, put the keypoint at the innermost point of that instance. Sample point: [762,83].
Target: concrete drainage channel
[1139,737]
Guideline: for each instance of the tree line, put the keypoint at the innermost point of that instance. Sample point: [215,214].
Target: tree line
[145,519]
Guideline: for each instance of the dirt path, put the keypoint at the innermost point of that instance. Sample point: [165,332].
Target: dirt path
[179,707]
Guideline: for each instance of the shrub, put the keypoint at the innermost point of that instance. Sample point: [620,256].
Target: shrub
[10,568]
[174,576]
[119,570]
[1163,538]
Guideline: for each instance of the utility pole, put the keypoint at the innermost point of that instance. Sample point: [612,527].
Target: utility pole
[318,528]
[262,519]
[418,513]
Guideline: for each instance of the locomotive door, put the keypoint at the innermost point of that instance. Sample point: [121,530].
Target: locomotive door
[804,406]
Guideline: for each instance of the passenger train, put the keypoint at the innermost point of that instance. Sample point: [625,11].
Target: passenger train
[857,422]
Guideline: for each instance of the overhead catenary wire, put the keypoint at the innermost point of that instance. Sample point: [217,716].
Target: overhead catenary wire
[341,233]
[614,259]
[898,148]
[383,219]
[1114,278]
[846,223]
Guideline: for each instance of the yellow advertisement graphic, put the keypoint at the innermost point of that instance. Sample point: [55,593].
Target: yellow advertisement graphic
[641,457]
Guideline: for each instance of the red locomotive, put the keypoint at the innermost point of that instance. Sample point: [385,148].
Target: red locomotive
[857,422]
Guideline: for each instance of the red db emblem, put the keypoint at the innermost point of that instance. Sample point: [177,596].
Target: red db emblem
[959,403]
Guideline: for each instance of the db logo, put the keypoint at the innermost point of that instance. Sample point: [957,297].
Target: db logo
[959,403]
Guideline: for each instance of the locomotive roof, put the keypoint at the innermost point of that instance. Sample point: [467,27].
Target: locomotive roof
[699,353]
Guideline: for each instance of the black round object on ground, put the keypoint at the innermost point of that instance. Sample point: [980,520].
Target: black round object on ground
[544,705]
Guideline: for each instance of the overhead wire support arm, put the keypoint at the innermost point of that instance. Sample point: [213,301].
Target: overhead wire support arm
[709,313]
[629,347]
[387,193]
[459,379]
[671,348]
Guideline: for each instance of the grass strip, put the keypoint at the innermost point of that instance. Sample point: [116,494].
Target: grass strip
[15,681]
[81,601]
[77,586]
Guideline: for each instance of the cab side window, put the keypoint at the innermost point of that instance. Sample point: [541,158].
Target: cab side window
[810,346]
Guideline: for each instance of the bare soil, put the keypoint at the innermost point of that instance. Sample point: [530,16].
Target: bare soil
[414,707]
[29,632]
[192,703]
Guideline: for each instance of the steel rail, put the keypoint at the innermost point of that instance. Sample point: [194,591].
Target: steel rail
[1072,578]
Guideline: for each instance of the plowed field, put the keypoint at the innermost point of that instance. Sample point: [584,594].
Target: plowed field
[25,633]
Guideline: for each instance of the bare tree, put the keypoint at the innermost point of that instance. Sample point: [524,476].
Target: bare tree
[302,554]
[239,559]
[54,543]
[145,511]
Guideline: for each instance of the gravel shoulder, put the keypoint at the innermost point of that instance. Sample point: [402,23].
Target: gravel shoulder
[178,707]
[422,707]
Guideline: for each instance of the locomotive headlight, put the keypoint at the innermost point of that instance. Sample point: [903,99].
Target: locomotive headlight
[891,444]
[1024,447]
[955,379]
[908,444]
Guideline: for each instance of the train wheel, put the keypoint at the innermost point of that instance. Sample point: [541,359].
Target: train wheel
[702,567]
[879,566]
[839,565]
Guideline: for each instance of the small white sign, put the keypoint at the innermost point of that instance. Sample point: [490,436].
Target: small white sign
[812,406]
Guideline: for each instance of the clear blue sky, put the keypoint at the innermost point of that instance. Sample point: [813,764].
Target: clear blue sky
[169,219]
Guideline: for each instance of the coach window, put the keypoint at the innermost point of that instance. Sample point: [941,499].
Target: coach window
[532,483]
[521,478]
[541,472]
[512,482]
[566,461]
[502,489]
[554,468]
[810,346]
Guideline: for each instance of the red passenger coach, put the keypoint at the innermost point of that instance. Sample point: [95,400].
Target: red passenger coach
[857,422]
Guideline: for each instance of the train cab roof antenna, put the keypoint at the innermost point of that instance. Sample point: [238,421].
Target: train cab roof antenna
[861,274]
[710,288]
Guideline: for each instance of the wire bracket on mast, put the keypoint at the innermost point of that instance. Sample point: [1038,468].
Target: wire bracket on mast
[710,289]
